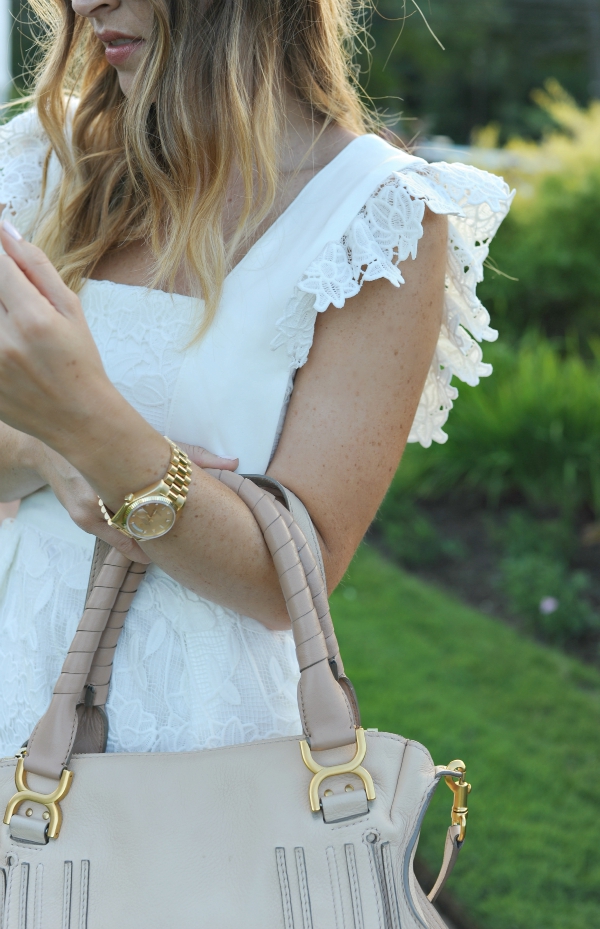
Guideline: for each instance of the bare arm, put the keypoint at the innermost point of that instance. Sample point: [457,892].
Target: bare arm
[348,422]
[355,399]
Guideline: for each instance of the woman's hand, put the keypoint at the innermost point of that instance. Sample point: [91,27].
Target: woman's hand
[81,502]
[51,376]
[53,387]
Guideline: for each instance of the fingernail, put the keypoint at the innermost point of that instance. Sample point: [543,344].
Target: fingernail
[13,233]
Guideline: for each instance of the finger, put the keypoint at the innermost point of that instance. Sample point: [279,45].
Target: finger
[128,547]
[205,459]
[18,292]
[37,268]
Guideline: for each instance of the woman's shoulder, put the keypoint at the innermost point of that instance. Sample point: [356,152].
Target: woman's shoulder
[384,229]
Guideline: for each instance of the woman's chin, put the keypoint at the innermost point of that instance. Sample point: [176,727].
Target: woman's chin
[125,81]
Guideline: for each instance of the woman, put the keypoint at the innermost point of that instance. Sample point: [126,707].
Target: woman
[211,190]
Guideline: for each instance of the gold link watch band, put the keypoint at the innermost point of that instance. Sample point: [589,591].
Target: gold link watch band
[178,476]
[151,512]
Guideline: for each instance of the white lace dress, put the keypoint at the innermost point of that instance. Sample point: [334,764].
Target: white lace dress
[188,673]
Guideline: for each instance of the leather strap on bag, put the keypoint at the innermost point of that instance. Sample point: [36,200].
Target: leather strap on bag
[451,849]
[295,516]
[52,740]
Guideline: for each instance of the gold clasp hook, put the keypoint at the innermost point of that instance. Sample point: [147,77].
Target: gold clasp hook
[351,767]
[461,791]
[50,801]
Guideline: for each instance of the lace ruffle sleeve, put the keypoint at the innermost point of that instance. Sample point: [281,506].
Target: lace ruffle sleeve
[385,233]
[23,149]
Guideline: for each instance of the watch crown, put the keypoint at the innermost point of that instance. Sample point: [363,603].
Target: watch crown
[128,498]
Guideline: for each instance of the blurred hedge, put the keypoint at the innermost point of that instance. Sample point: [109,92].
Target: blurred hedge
[531,432]
[524,444]
[550,241]
[494,52]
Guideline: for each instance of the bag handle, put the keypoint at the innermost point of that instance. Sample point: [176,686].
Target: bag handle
[51,743]
[92,731]
[300,515]
[292,505]
[326,698]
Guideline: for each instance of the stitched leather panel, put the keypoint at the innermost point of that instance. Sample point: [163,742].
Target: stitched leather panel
[304,893]
[84,890]
[284,887]
[354,882]
[67,894]
[23,895]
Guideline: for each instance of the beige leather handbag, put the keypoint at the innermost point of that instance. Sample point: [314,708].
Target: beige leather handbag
[307,832]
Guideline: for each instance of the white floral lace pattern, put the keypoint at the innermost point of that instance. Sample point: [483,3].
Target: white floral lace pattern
[385,233]
[188,674]
[142,344]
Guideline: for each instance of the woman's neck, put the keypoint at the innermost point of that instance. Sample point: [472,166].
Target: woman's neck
[306,148]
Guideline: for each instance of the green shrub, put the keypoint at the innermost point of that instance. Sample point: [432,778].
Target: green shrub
[527,436]
[548,596]
[519,534]
[531,430]
[550,245]
[549,241]
[538,582]
[410,535]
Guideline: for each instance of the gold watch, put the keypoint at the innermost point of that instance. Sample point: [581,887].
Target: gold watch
[151,512]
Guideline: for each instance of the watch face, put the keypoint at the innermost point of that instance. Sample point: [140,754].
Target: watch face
[151,519]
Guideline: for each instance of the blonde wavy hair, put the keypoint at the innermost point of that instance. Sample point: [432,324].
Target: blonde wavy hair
[209,96]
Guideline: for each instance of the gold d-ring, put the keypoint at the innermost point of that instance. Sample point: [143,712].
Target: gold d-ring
[351,767]
[50,801]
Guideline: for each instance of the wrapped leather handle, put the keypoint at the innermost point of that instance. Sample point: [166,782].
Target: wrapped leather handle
[317,582]
[328,707]
[326,699]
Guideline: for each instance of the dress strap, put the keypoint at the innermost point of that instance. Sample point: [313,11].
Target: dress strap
[324,208]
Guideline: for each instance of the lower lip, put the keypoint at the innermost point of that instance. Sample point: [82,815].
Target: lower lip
[118,54]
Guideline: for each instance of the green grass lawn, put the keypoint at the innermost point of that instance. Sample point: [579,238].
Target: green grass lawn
[524,718]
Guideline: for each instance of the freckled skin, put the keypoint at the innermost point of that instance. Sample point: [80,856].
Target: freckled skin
[377,349]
